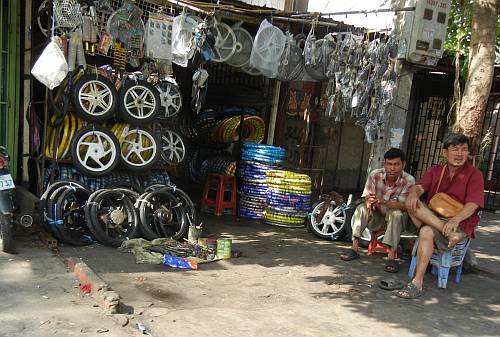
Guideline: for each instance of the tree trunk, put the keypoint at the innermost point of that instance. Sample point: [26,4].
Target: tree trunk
[481,68]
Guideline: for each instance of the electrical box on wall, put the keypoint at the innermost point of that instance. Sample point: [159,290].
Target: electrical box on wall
[426,31]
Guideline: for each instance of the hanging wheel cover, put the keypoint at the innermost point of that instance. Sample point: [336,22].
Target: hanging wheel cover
[269,44]
[244,43]
[173,148]
[139,149]
[95,151]
[170,98]
[291,65]
[140,102]
[225,43]
[94,98]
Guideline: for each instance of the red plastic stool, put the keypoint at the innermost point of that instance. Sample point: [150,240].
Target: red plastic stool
[219,194]
[378,247]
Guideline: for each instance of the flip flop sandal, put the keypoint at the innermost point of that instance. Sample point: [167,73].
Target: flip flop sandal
[410,292]
[391,266]
[391,283]
[349,256]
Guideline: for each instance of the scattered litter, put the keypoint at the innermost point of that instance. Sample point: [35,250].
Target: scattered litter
[46,297]
[86,288]
[143,329]
[44,322]
[102,330]
[10,260]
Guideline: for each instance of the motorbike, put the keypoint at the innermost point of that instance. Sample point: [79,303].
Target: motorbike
[8,216]
[6,204]
[331,218]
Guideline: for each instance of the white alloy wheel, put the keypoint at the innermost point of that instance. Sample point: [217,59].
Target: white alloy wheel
[95,151]
[173,147]
[170,97]
[95,98]
[331,224]
[139,149]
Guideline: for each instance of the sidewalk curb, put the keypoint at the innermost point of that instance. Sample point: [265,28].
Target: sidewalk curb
[92,283]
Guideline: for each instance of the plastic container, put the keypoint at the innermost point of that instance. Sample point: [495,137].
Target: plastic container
[224,248]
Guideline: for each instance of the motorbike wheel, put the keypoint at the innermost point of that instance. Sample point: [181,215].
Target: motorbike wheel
[332,225]
[95,98]
[162,215]
[6,240]
[111,216]
[140,102]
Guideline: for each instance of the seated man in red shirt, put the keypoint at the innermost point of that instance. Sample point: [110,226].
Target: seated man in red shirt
[461,181]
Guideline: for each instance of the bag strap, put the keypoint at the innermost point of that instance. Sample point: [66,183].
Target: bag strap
[440,179]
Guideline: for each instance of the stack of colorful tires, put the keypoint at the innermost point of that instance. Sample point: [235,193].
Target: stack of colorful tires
[288,198]
[257,159]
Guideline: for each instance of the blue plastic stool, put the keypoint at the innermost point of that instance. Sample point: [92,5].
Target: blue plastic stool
[441,263]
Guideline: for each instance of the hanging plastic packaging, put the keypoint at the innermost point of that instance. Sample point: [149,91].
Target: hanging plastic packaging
[269,44]
[183,45]
[51,67]
[158,38]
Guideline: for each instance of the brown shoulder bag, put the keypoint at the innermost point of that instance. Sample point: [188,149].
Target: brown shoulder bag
[442,203]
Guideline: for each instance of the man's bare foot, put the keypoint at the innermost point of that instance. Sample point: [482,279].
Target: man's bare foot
[453,239]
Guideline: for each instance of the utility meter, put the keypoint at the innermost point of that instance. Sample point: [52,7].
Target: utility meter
[425,31]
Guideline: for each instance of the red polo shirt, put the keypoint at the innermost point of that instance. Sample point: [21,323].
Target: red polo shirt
[466,186]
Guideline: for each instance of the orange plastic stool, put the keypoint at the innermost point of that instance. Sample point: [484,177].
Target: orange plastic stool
[378,247]
[219,194]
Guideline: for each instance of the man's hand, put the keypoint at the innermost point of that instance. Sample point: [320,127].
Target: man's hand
[411,202]
[370,201]
[450,227]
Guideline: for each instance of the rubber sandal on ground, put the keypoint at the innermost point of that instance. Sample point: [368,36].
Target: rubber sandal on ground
[391,283]
[410,292]
[391,266]
[349,256]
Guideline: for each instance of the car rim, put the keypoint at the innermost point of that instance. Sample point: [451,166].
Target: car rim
[333,220]
[138,148]
[96,151]
[139,102]
[171,99]
[95,98]
[173,147]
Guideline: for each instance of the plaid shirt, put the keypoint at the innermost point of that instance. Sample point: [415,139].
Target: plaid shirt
[376,184]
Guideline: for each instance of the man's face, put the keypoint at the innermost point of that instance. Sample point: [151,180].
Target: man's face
[393,167]
[456,155]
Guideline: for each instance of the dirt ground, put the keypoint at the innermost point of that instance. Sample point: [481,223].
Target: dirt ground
[39,298]
[288,283]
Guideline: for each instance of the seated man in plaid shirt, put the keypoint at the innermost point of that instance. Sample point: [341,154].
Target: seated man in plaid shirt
[384,207]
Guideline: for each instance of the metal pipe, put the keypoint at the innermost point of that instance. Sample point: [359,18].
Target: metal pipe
[381,10]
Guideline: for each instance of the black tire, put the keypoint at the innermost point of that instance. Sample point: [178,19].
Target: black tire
[94,169]
[189,207]
[152,225]
[102,205]
[107,106]
[74,232]
[131,107]
[153,159]
[6,239]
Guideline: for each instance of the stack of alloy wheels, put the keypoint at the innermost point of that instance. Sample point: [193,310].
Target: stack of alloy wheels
[288,198]
[96,150]
[256,161]
[63,205]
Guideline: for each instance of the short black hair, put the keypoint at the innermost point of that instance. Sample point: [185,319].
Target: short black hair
[455,139]
[394,153]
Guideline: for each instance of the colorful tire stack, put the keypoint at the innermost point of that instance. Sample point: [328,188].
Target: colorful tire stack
[256,161]
[288,198]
